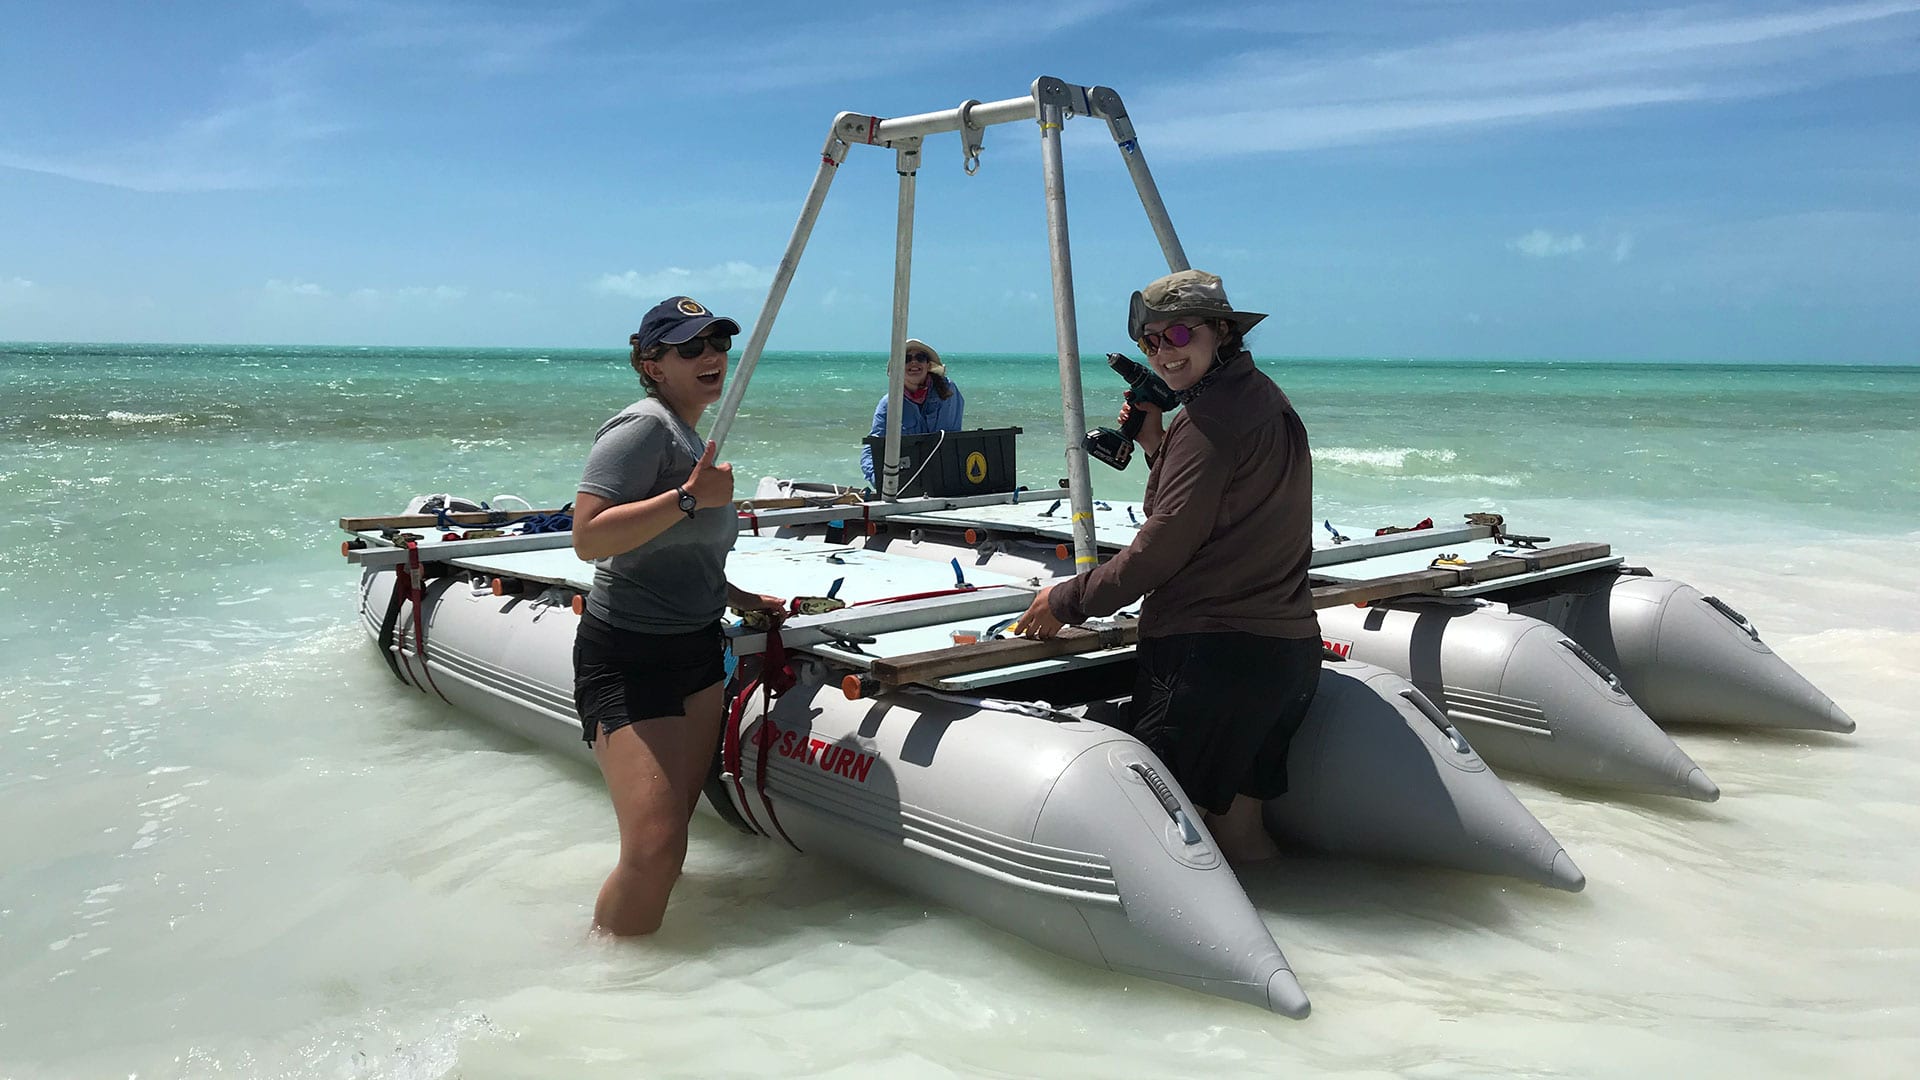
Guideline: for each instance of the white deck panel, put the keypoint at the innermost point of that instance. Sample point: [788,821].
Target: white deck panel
[767,565]
[809,568]
[1114,524]
[939,636]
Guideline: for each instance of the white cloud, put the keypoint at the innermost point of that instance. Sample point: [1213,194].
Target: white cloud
[1623,248]
[676,281]
[16,290]
[295,287]
[1290,100]
[408,296]
[1541,244]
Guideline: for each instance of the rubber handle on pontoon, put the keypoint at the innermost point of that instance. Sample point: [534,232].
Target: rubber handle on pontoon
[1432,712]
[1188,834]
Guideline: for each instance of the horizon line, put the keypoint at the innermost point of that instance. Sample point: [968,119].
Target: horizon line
[1294,357]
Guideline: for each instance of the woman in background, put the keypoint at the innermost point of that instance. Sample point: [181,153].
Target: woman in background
[930,403]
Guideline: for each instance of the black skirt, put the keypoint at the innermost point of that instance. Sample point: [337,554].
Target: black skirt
[1220,709]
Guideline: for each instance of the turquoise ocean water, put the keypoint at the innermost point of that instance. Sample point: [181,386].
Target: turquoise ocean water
[231,845]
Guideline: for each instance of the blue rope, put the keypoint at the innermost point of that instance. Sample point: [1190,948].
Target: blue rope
[560,520]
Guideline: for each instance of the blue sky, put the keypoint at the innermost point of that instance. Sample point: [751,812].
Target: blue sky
[1428,178]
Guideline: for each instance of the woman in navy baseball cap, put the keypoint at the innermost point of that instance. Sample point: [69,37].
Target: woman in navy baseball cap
[654,512]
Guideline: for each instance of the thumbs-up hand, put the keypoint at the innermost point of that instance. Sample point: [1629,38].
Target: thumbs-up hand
[711,485]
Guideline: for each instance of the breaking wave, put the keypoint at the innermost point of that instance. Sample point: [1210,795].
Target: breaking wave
[1380,457]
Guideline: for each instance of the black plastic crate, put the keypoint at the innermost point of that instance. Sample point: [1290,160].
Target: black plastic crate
[950,463]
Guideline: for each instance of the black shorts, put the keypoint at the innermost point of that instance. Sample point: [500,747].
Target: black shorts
[1220,710]
[622,677]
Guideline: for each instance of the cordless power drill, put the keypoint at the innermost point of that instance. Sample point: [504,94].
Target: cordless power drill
[1143,388]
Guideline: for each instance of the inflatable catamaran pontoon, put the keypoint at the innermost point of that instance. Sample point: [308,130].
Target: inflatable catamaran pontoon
[898,735]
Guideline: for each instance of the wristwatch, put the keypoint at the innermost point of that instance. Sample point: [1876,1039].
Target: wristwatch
[688,504]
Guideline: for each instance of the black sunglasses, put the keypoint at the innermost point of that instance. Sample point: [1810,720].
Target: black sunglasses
[694,348]
[919,357]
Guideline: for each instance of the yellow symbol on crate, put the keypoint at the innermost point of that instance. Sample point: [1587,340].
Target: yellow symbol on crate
[976,468]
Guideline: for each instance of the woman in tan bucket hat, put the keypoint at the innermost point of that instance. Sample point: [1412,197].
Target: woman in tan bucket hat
[931,402]
[1229,652]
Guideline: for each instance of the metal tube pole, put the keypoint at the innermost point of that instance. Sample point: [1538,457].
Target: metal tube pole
[872,129]
[831,156]
[907,163]
[1107,105]
[1049,94]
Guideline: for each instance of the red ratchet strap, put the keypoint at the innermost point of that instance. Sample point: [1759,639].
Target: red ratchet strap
[1425,523]
[926,595]
[388,639]
[730,750]
[753,520]
[416,589]
[776,678]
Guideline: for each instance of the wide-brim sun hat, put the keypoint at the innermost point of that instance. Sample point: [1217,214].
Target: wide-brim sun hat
[1182,293]
[679,319]
[914,343]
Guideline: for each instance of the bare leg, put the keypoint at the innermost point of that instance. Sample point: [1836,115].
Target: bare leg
[1240,832]
[654,770]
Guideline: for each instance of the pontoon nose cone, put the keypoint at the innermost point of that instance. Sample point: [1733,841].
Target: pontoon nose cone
[1699,786]
[1285,997]
[1564,875]
[1689,658]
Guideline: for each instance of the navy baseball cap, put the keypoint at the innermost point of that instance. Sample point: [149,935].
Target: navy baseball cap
[677,319]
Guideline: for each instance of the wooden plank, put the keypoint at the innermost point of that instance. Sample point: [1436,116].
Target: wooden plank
[1435,580]
[412,521]
[794,502]
[959,659]
[806,631]
[1005,652]
[1570,569]
[874,511]
[447,550]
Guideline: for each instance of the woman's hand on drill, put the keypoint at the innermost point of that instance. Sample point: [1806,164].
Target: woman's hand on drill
[1152,431]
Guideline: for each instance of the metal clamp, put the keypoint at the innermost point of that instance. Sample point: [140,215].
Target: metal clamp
[972,137]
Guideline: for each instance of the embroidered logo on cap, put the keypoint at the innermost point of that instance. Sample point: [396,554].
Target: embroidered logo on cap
[690,306]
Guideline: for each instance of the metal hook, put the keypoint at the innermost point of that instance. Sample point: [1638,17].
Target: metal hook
[972,139]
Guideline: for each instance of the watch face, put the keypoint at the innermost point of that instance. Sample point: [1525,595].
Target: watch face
[688,502]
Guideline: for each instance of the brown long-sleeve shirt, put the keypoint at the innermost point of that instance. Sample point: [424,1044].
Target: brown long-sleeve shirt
[1229,530]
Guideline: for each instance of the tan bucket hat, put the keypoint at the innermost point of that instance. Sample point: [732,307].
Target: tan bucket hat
[1185,292]
[914,343]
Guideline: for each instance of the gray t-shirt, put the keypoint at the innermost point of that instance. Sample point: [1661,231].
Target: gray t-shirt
[676,581]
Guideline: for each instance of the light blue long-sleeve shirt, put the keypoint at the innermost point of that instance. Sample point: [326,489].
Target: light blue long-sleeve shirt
[922,418]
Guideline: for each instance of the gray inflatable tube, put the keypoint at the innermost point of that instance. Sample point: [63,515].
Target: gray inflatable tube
[1687,658]
[1060,830]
